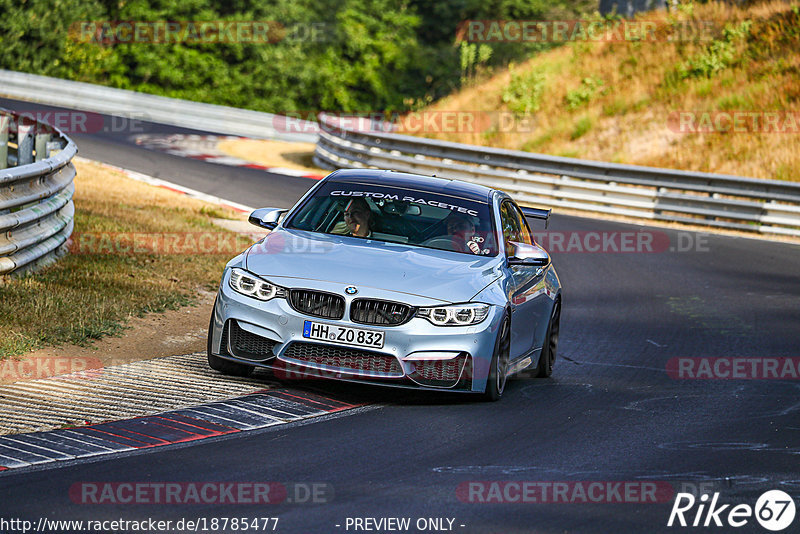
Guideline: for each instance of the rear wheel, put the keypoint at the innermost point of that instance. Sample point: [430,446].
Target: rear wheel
[496,381]
[222,365]
[548,357]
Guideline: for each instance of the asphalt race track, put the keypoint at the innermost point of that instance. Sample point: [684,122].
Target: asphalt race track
[611,413]
[242,185]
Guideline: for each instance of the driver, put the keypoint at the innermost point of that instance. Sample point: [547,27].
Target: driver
[462,230]
[359,218]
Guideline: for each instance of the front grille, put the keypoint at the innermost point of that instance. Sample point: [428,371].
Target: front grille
[380,312]
[345,359]
[247,345]
[441,373]
[317,303]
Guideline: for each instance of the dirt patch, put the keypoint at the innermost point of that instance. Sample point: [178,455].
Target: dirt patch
[297,156]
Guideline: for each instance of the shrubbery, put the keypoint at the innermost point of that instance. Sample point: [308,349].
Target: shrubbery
[373,55]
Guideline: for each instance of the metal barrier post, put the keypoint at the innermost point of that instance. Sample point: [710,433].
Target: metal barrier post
[25,130]
[5,120]
[42,140]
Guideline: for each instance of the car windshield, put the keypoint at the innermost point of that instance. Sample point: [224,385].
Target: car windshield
[412,217]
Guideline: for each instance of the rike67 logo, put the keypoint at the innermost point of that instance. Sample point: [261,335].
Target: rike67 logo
[774,510]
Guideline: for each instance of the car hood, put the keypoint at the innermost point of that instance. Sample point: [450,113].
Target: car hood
[436,274]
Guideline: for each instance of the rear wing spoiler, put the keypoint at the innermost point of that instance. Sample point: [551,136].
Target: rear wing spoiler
[537,213]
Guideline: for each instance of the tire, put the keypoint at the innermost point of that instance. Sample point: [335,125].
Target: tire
[226,367]
[496,381]
[549,350]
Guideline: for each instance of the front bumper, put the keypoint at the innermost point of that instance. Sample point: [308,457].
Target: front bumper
[416,354]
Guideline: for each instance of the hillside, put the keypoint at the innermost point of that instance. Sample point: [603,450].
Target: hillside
[658,102]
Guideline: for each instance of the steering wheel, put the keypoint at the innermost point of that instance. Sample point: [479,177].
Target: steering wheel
[441,242]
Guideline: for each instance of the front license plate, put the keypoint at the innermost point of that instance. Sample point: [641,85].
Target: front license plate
[343,334]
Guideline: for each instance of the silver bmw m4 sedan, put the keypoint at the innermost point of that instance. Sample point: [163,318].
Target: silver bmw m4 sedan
[394,279]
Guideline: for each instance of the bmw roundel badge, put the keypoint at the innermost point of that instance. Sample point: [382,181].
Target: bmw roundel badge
[351,290]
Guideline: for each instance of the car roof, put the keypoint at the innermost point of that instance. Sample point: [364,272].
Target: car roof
[446,186]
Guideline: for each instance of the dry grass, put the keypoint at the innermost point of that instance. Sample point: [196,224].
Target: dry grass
[296,156]
[612,101]
[87,296]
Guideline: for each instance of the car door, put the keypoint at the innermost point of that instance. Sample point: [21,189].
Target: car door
[529,300]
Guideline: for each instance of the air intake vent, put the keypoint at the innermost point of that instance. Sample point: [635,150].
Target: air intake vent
[248,346]
[440,373]
[343,359]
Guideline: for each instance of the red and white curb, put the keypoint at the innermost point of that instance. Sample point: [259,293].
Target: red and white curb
[206,148]
[199,404]
[258,410]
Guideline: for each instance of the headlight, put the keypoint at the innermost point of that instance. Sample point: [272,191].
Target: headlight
[247,284]
[455,314]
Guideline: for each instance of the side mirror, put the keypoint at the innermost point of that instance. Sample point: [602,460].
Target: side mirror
[528,255]
[266,217]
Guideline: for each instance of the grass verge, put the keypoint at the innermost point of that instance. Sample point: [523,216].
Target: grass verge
[91,292]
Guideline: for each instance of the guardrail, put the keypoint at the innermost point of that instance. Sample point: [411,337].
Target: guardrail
[36,188]
[717,200]
[152,108]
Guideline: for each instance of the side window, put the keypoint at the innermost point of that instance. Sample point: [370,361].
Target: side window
[505,222]
[510,224]
[525,231]
[515,229]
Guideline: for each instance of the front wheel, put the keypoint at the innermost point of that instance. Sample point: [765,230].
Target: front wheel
[496,381]
[548,357]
